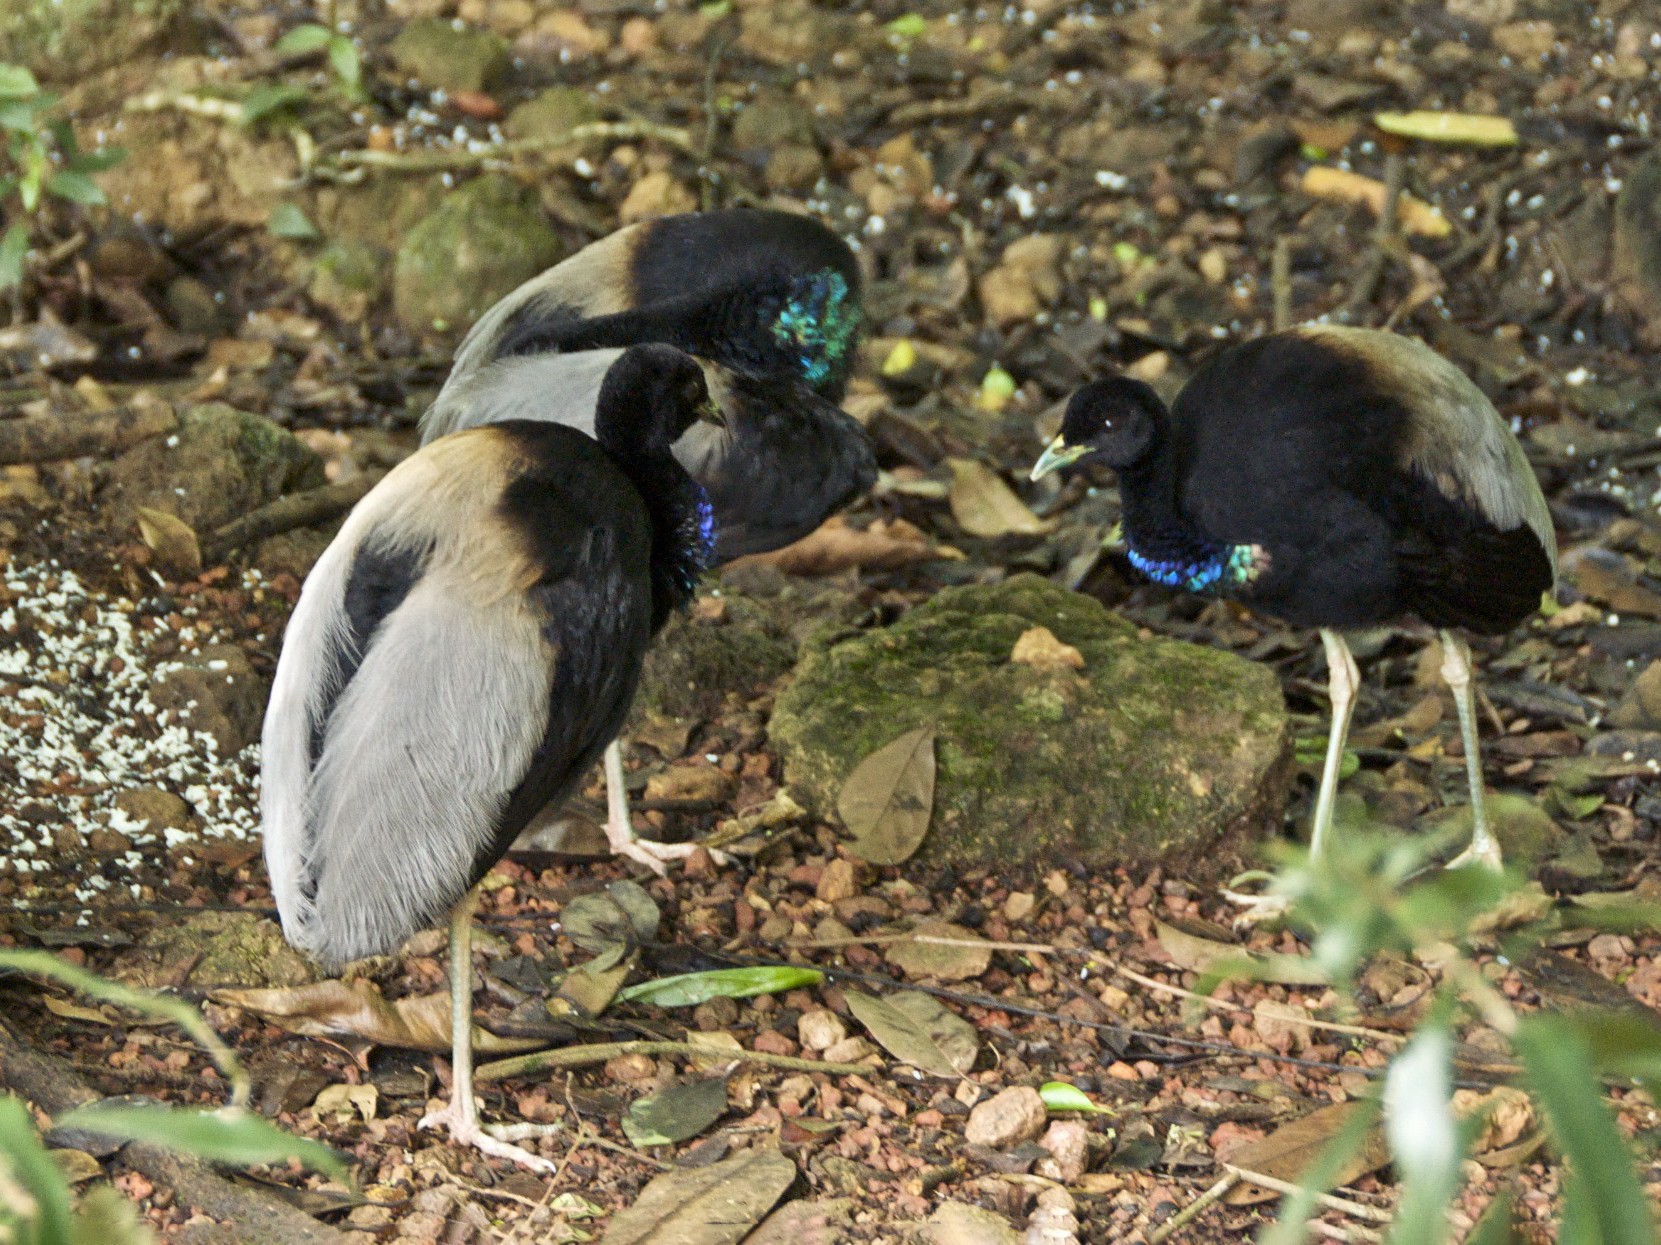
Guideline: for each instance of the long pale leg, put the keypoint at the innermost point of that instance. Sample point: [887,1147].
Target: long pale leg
[1344,680]
[620,830]
[461,1116]
[1456,669]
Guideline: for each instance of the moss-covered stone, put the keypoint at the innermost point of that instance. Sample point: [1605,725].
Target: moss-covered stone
[770,123]
[64,39]
[480,242]
[350,277]
[221,949]
[1154,751]
[698,661]
[448,57]
[554,112]
[219,465]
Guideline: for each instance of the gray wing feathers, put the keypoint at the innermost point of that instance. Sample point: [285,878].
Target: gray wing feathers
[1465,449]
[548,388]
[418,761]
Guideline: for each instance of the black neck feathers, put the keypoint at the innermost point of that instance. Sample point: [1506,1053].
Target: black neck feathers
[649,397]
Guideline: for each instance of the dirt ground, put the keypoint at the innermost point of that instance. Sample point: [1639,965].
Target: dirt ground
[1049,191]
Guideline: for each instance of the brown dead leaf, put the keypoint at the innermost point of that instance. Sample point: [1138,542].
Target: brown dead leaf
[902,1035]
[357,1009]
[1288,1152]
[886,545]
[1040,649]
[984,505]
[172,540]
[714,1205]
[336,1100]
[941,950]
[1416,216]
[1508,1112]
[888,799]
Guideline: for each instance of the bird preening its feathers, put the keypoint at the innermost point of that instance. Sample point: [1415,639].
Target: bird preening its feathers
[767,301]
[1333,477]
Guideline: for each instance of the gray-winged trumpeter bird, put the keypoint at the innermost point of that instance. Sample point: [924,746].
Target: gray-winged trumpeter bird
[768,302]
[460,656]
[1334,477]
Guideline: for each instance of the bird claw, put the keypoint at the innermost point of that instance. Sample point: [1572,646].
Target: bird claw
[465,1130]
[655,856]
[1488,856]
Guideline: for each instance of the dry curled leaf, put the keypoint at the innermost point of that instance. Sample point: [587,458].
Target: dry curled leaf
[902,1035]
[1416,216]
[714,1205]
[833,546]
[887,800]
[941,950]
[172,540]
[984,505]
[357,1009]
[1202,954]
[1289,1151]
[1040,649]
[1471,129]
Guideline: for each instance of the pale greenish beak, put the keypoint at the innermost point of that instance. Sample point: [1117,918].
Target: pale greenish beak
[1057,454]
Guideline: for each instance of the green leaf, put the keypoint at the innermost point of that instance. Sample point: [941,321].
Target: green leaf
[1060,1096]
[17,82]
[679,1112]
[19,115]
[1424,1135]
[908,26]
[1622,1044]
[288,221]
[1495,1227]
[690,989]
[1608,1201]
[267,100]
[302,39]
[97,161]
[75,187]
[14,246]
[25,1159]
[343,56]
[230,1135]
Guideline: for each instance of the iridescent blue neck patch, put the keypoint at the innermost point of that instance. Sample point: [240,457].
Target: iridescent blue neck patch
[1225,566]
[817,323]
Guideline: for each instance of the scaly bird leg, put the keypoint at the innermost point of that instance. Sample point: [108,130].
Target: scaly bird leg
[461,1116]
[620,830]
[1484,848]
[1344,680]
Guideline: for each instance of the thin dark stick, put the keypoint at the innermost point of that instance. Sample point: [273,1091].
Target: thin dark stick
[307,509]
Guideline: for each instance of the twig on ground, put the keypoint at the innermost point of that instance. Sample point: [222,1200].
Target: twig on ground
[1344,1205]
[1193,1210]
[1280,282]
[307,509]
[1384,241]
[602,1052]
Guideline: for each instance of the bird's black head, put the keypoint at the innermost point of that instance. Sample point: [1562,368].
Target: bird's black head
[1113,421]
[650,396]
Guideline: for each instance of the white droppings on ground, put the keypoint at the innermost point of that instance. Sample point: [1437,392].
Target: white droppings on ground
[78,728]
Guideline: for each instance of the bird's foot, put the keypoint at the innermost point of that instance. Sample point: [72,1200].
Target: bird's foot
[465,1130]
[1485,854]
[1257,909]
[655,856]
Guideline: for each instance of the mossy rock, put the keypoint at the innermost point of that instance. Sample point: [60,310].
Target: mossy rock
[440,55]
[219,465]
[697,662]
[554,112]
[1155,751]
[478,244]
[350,277]
[226,949]
[72,39]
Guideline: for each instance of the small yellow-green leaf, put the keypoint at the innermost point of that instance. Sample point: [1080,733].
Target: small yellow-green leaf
[690,989]
[309,37]
[1060,1096]
[997,387]
[901,359]
[1472,129]
[172,540]
[908,26]
[288,221]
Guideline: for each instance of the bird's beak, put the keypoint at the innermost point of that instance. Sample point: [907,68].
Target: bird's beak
[1056,455]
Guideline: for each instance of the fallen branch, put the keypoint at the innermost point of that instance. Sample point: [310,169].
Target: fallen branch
[1344,1205]
[46,438]
[249,1215]
[1193,1210]
[471,157]
[297,510]
[603,1052]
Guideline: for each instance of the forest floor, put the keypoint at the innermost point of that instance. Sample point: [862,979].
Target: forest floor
[1045,189]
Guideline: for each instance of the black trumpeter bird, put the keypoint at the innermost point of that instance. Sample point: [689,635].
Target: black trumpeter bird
[768,302]
[461,655]
[1335,477]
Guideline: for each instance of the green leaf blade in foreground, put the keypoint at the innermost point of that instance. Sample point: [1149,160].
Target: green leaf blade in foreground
[29,1164]
[14,247]
[1601,1186]
[302,39]
[75,187]
[229,1136]
[690,989]
[16,82]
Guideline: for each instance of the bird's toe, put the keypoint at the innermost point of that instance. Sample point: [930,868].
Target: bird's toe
[465,1130]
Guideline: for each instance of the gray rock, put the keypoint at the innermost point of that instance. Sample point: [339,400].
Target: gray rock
[959,1223]
[73,39]
[1635,264]
[219,465]
[1007,1118]
[479,243]
[554,112]
[1155,750]
[769,123]
[217,692]
[440,55]
[349,277]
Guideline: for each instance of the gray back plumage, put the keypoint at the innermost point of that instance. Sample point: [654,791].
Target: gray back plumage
[368,845]
[1457,439]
